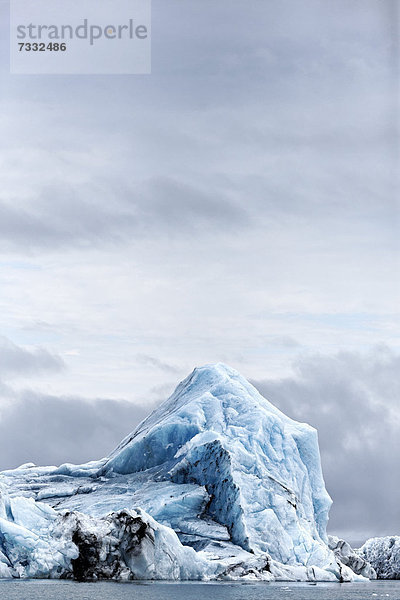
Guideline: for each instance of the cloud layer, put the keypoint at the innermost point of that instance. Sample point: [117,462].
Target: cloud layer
[238,204]
[52,430]
[17,361]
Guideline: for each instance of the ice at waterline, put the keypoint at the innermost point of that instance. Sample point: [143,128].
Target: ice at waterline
[215,484]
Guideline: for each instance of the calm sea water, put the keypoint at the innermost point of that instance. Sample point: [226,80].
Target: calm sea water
[68,590]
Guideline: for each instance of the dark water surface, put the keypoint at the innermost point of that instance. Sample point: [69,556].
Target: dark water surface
[68,590]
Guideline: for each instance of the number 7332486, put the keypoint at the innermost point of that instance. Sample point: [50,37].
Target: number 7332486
[42,47]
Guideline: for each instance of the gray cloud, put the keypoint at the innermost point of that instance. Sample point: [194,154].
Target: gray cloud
[178,206]
[43,428]
[283,341]
[145,359]
[47,429]
[238,126]
[353,401]
[16,360]
[108,212]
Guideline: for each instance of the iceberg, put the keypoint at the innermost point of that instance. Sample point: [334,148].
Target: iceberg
[383,553]
[352,558]
[225,485]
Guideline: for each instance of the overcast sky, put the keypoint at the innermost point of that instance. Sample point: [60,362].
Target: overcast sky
[239,204]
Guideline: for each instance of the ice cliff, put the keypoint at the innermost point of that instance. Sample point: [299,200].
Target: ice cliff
[222,482]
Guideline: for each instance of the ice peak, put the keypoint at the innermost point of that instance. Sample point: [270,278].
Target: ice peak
[261,468]
[209,377]
[218,369]
[205,400]
[226,385]
[212,374]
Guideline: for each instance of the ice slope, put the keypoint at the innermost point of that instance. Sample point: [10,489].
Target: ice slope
[231,475]
[383,553]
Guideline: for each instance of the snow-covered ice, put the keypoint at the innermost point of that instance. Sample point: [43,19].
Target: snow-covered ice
[384,555]
[234,486]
